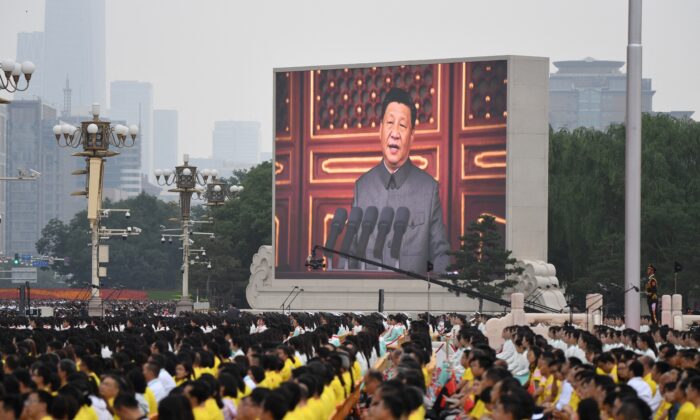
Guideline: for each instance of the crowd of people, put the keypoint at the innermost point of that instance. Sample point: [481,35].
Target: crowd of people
[239,365]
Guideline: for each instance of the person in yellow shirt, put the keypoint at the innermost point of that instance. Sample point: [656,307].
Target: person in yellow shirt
[693,394]
[686,409]
[36,406]
[606,365]
[183,373]
[198,395]
[286,354]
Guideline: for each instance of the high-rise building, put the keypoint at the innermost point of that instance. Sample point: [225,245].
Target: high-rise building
[237,142]
[30,47]
[3,172]
[74,48]
[591,93]
[132,102]
[31,204]
[165,138]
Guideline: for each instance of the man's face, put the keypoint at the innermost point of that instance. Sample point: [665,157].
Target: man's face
[396,135]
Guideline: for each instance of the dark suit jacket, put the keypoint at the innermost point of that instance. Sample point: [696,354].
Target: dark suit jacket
[425,239]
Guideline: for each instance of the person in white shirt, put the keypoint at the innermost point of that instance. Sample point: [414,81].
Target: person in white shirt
[151,371]
[508,350]
[520,366]
[636,373]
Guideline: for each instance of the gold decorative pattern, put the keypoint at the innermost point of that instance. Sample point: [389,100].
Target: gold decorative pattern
[484,94]
[480,157]
[360,165]
[420,161]
[352,98]
[283,106]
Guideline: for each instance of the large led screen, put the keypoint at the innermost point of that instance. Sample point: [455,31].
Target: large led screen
[390,163]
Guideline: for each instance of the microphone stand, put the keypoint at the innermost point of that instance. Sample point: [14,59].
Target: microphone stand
[289,306]
[287,298]
[535,307]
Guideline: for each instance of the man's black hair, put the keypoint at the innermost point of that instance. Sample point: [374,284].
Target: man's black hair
[401,96]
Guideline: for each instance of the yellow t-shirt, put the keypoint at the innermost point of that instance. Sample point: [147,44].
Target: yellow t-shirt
[286,371]
[652,384]
[213,410]
[612,374]
[574,401]
[151,400]
[338,391]
[327,402]
[86,413]
[662,409]
[356,371]
[479,410]
[686,412]
[417,414]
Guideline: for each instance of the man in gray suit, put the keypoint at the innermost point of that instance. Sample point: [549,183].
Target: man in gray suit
[396,182]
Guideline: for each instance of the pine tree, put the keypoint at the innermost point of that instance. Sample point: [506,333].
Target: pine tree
[482,262]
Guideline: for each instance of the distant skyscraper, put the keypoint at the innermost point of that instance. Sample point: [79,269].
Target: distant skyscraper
[164,139]
[30,47]
[132,102]
[31,204]
[74,47]
[590,93]
[237,142]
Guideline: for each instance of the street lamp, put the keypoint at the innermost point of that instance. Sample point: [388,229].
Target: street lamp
[218,192]
[95,136]
[186,178]
[12,70]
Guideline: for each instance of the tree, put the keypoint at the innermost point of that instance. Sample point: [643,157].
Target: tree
[52,238]
[587,206]
[138,262]
[482,262]
[241,226]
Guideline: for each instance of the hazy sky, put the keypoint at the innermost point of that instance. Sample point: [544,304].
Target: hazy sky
[212,59]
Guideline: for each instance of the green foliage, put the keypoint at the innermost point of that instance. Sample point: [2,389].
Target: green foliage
[241,226]
[137,263]
[482,263]
[587,207]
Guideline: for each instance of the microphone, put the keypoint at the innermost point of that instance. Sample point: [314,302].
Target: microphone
[354,222]
[368,224]
[383,228]
[400,225]
[336,228]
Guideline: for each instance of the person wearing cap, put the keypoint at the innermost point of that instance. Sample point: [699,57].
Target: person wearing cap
[651,291]
[396,182]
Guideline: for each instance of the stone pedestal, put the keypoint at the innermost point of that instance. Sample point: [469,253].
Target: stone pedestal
[184,305]
[677,311]
[666,315]
[594,306]
[517,306]
[95,307]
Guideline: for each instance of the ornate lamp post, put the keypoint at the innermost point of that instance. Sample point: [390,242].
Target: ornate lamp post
[95,136]
[186,178]
[11,70]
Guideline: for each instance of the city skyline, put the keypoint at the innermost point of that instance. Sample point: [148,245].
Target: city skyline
[231,74]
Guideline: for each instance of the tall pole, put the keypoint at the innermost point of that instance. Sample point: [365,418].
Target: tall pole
[95,278]
[633,165]
[185,258]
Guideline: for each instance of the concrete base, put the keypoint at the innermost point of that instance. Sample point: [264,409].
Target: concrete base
[95,307]
[184,305]
[266,293]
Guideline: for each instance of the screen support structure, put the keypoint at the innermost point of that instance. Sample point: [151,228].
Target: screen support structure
[534,307]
